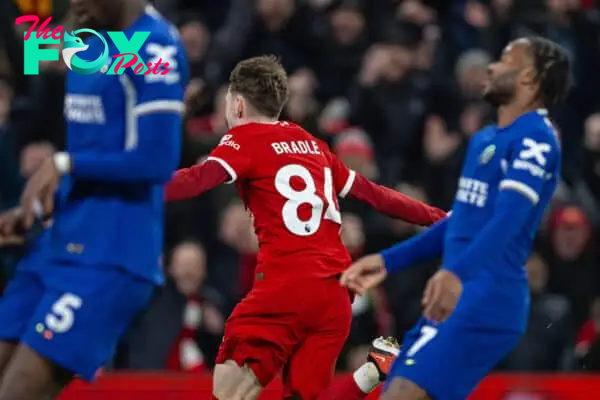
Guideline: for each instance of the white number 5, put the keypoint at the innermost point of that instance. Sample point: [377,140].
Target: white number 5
[427,334]
[61,319]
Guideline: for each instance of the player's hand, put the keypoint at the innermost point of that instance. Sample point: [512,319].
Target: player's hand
[40,188]
[364,274]
[10,224]
[441,295]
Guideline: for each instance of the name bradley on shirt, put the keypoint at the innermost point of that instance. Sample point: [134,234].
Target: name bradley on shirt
[296,147]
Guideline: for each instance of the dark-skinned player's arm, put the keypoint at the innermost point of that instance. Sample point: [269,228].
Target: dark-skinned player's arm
[383,199]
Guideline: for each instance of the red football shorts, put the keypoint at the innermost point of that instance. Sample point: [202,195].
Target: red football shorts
[298,327]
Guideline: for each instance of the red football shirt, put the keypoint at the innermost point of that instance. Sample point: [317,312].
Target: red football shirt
[290,182]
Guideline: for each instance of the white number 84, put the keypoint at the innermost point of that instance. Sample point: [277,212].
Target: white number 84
[62,317]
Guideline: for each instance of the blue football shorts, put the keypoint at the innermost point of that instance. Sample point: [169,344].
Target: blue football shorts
[448,360]
[71,314]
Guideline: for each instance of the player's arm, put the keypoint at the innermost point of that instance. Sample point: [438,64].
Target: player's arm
[381,198]
[154,121]
[426,246]
[193,181]
[394,204]
[225,164]
[530,166]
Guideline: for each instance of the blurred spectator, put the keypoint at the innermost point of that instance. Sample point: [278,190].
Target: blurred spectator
[353,235]
[590,164]
[471,73]
[389,102]
[10,179]
[549,328]
[443,153]
[404,290]
[237,232]
[206,127]
[196,39]
[302,107]
[355,149]
[182,328]
[341,50]
[571,255]
[588,333]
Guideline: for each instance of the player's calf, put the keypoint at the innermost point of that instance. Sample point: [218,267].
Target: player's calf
[232,382]
[365,379]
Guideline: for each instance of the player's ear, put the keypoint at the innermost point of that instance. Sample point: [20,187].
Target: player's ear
[528,76]
[240,106]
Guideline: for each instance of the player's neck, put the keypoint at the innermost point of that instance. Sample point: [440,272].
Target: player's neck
[132,10]
[257,120]
[508,113]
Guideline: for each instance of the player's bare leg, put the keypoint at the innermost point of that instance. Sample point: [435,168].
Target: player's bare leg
[28,376]
[403,389]
[6,352]
[232,382]
[365,379]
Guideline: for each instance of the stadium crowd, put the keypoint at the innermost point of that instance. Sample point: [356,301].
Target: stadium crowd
[393,86]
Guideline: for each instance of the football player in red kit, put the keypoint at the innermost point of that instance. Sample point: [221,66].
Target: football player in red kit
[297,317]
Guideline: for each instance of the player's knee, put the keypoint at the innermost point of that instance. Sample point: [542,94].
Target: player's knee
[403,389]
[232,382]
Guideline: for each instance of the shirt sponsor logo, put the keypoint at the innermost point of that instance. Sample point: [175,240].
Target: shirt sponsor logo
[84,109]
[227,140]
[472,191]
[535,150]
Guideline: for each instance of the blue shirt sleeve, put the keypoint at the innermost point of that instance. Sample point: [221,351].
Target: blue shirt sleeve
[426,246]
[152,150]
[531,165]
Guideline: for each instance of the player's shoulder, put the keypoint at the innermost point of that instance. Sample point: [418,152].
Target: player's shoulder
[536,127]
[163,45]
[484,132]
[161,30]
[534,124]
[482,135]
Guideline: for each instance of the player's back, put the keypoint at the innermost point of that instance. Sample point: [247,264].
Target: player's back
[290,185]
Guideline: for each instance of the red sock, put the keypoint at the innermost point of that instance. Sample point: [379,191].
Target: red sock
[344,389]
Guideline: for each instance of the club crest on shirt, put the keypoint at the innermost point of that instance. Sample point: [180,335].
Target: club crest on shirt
[487,154]
[106,66]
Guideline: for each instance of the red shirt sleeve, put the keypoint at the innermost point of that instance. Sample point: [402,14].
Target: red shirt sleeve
[394,204]
[343,177]
[381,198]
[193,181]
[234,156]
[587,333]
